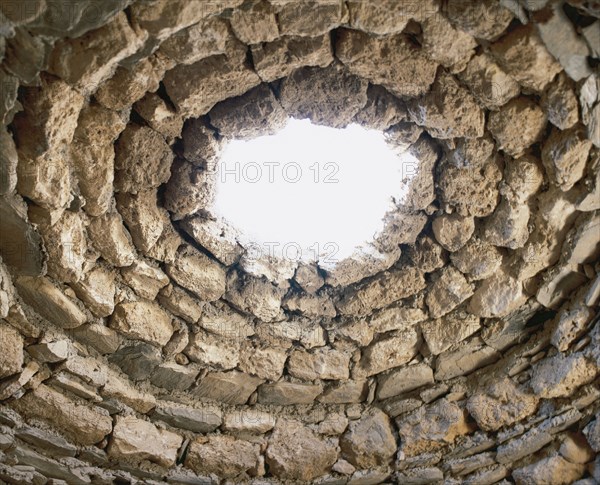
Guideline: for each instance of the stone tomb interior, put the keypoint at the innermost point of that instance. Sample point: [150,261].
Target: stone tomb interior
[143,340]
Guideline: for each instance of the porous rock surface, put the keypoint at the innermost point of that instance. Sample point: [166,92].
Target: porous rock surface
[141,342]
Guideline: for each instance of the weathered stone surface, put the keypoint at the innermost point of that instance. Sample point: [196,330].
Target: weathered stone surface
[449,46]
[278,59]
[249,421]
[8,163]
[198,273]
[393,62]
[209,349]
[81,423]
[429,427]
[189,189]
[335,95]
[143,320]
[111,43]
[369,441]
[383,290]
[93,155]
[554,469]
[464,360]
[561,375]
[485,20]
[403,380]
[112,240]
[216,236]
[517,125]
[117,387]
[522,179]
[564,155]
[576,449]
[500,404]
[570,325]
[255,23]
[224,456]
[497,296]
[256,113]
[560,103]
[295,452]
[227,387]
[468,178]
[197,87]
[420,191]
[392,351]
[138,361]
[592,434]
[388,16]
[144,219]
[286,393]
[203,419]
[130,84]
[11,357]
[142,160]
[522,54]
[255,296]
[427,255]
[448,291]
[49,442]
[164,18]
[264,362]
[146,280]
[160,116]
[49,118]
[490,85]
[442,333]
[134,440]
[50,351]
[319,364]
[310,305]
[477,259]
[51,303]
[420,475]
[508,225]
[448,111]
[345,392]
[382,109]
[453,231]
[103,339]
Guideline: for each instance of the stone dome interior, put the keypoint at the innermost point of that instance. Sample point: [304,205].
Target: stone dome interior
[144,340]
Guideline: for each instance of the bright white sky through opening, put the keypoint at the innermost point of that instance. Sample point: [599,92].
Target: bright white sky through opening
[311,192]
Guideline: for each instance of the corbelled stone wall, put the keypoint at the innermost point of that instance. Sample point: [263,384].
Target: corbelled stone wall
[142,342]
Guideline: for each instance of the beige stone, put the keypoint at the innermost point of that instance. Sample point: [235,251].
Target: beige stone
[143,320]
[392,351]
[216,236]
[382,109]
[144,219]
[209,349]
[146,280]
[111,43]
[453,231]
[449,46]
[278,59]
[388,16]
[220,319]
[50,302]
[523,56]
[500,404]
[402,380]
[224,456]
[319,364]
[369,441]
[134,440]
[160,116]
[477,259]
[517,125]
[198,273]
[485,19]
[264,362]
[310,305]
[442,333]
[295,452]
[109,236]
[189,190]
[564,155]
[429,427]
[284,393]
[497,296]
[255,296]
[142,161]
[554,469]
[560,103]
[197,87]
[448,111]
[227,387]
[80,422]
[508,225]
[11,358]
[180,303]
[561,375]
[97,290]
[464,360]
[249,420]
[345,392]
[448,291]
[256,23]
[392,61]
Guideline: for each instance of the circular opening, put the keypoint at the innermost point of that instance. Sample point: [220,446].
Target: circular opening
[310,192]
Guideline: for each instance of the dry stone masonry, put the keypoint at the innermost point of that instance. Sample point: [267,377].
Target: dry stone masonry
[142,342]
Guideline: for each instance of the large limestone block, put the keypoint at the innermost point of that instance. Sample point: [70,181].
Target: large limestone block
[144,320]
[11,357]
[225,456]
[134,440]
